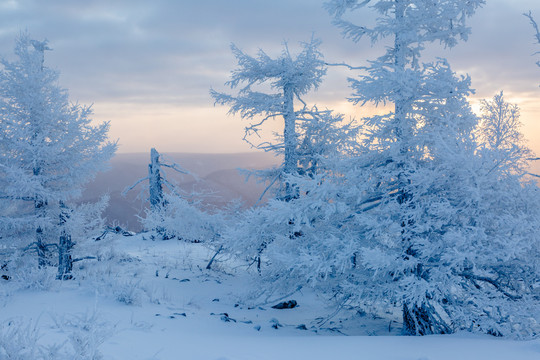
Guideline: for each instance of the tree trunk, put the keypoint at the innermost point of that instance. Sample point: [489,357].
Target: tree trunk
[41,247]
[290,165]
[65,246]
[423,320]
[65,261]
[155,180]
[417,320]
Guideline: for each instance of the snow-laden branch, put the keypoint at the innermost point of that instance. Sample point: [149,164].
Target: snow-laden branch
[534,25]
[494,283]
[347,66]
[536,30]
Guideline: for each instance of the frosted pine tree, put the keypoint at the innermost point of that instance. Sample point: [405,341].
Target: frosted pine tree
[500,136]
[311,140]
[430,117]
[432,221]
[48,149]
[157,180]
[291,78]
[278,236]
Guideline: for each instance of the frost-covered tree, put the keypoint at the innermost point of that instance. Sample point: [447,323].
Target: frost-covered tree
[311,140]
[274,236]
[173,213]
[157,180]
[290,78]
[49,148]
[431,117]
[184,218]
[499,134]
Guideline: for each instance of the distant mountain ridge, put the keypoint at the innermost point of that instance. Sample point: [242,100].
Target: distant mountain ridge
[217,176]
[217,173]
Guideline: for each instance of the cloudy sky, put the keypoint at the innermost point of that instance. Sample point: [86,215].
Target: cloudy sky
[147,66]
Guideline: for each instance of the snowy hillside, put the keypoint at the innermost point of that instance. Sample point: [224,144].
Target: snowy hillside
[154,300]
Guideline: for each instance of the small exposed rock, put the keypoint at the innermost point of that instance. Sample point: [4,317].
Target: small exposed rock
[275,323]
[286,305]
[225,317]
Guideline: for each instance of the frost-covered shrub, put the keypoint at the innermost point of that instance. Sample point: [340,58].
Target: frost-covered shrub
[19,341]
[128,292]
[184,220]
[24,272]
[86,333]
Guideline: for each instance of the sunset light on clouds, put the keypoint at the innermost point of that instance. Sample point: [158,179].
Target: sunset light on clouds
[147,67]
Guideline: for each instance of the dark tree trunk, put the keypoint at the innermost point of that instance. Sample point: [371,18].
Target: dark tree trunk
[423,320]
[155,180]
[290,165]
[65,261]
[41,247]
[65,246]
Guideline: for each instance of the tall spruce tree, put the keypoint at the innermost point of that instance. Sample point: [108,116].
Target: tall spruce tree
[432,223]
[404,136]
[291,78]
[48,149]
[310,140]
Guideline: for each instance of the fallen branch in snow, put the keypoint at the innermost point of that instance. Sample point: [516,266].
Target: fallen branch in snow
[213,257]
[115,230]
[323,321]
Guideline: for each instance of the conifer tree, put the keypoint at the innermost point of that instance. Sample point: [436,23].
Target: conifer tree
[48,147]
[291,78]
[426,98]
[432,225]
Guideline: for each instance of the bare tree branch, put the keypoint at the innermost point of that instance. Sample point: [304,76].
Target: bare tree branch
[126,190]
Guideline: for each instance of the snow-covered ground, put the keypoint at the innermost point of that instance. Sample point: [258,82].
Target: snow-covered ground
[149,299]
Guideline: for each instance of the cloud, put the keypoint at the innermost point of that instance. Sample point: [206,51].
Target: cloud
[169,53]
